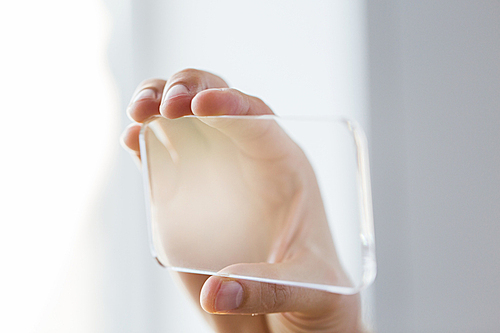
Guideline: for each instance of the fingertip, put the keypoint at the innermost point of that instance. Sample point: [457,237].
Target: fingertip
[146,101]
[130,137]
[208,293]
[143,109]
[221,295]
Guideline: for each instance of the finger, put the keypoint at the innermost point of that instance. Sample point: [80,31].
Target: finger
[182,87]
[223,324]
[260,138]
[130,137]
[130,141]
[240,296]
[146,100]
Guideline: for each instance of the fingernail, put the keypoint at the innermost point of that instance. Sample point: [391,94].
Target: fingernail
[177,90]
[229,296]
[145,94]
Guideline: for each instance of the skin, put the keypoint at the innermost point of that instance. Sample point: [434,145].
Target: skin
[274,163]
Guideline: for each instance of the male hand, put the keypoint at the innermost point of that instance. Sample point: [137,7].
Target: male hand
[283,191]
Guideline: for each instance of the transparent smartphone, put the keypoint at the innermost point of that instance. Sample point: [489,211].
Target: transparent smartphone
[221,191]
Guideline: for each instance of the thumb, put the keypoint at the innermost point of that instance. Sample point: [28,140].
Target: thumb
[240,296]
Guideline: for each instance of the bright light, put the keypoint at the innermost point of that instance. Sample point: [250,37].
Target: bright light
[58,106]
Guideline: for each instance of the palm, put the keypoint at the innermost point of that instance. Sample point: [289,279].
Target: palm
[235,206]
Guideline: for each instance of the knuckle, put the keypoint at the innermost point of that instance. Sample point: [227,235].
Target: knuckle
[258,100]
[275,297]
[261,105]
[189,72]
[189,77]
[151,82]
[197,78]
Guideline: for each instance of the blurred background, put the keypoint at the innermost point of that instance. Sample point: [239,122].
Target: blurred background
[423,78]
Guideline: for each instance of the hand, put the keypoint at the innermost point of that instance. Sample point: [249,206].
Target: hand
[284,187]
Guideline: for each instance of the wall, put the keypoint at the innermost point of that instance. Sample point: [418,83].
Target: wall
[435,110]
